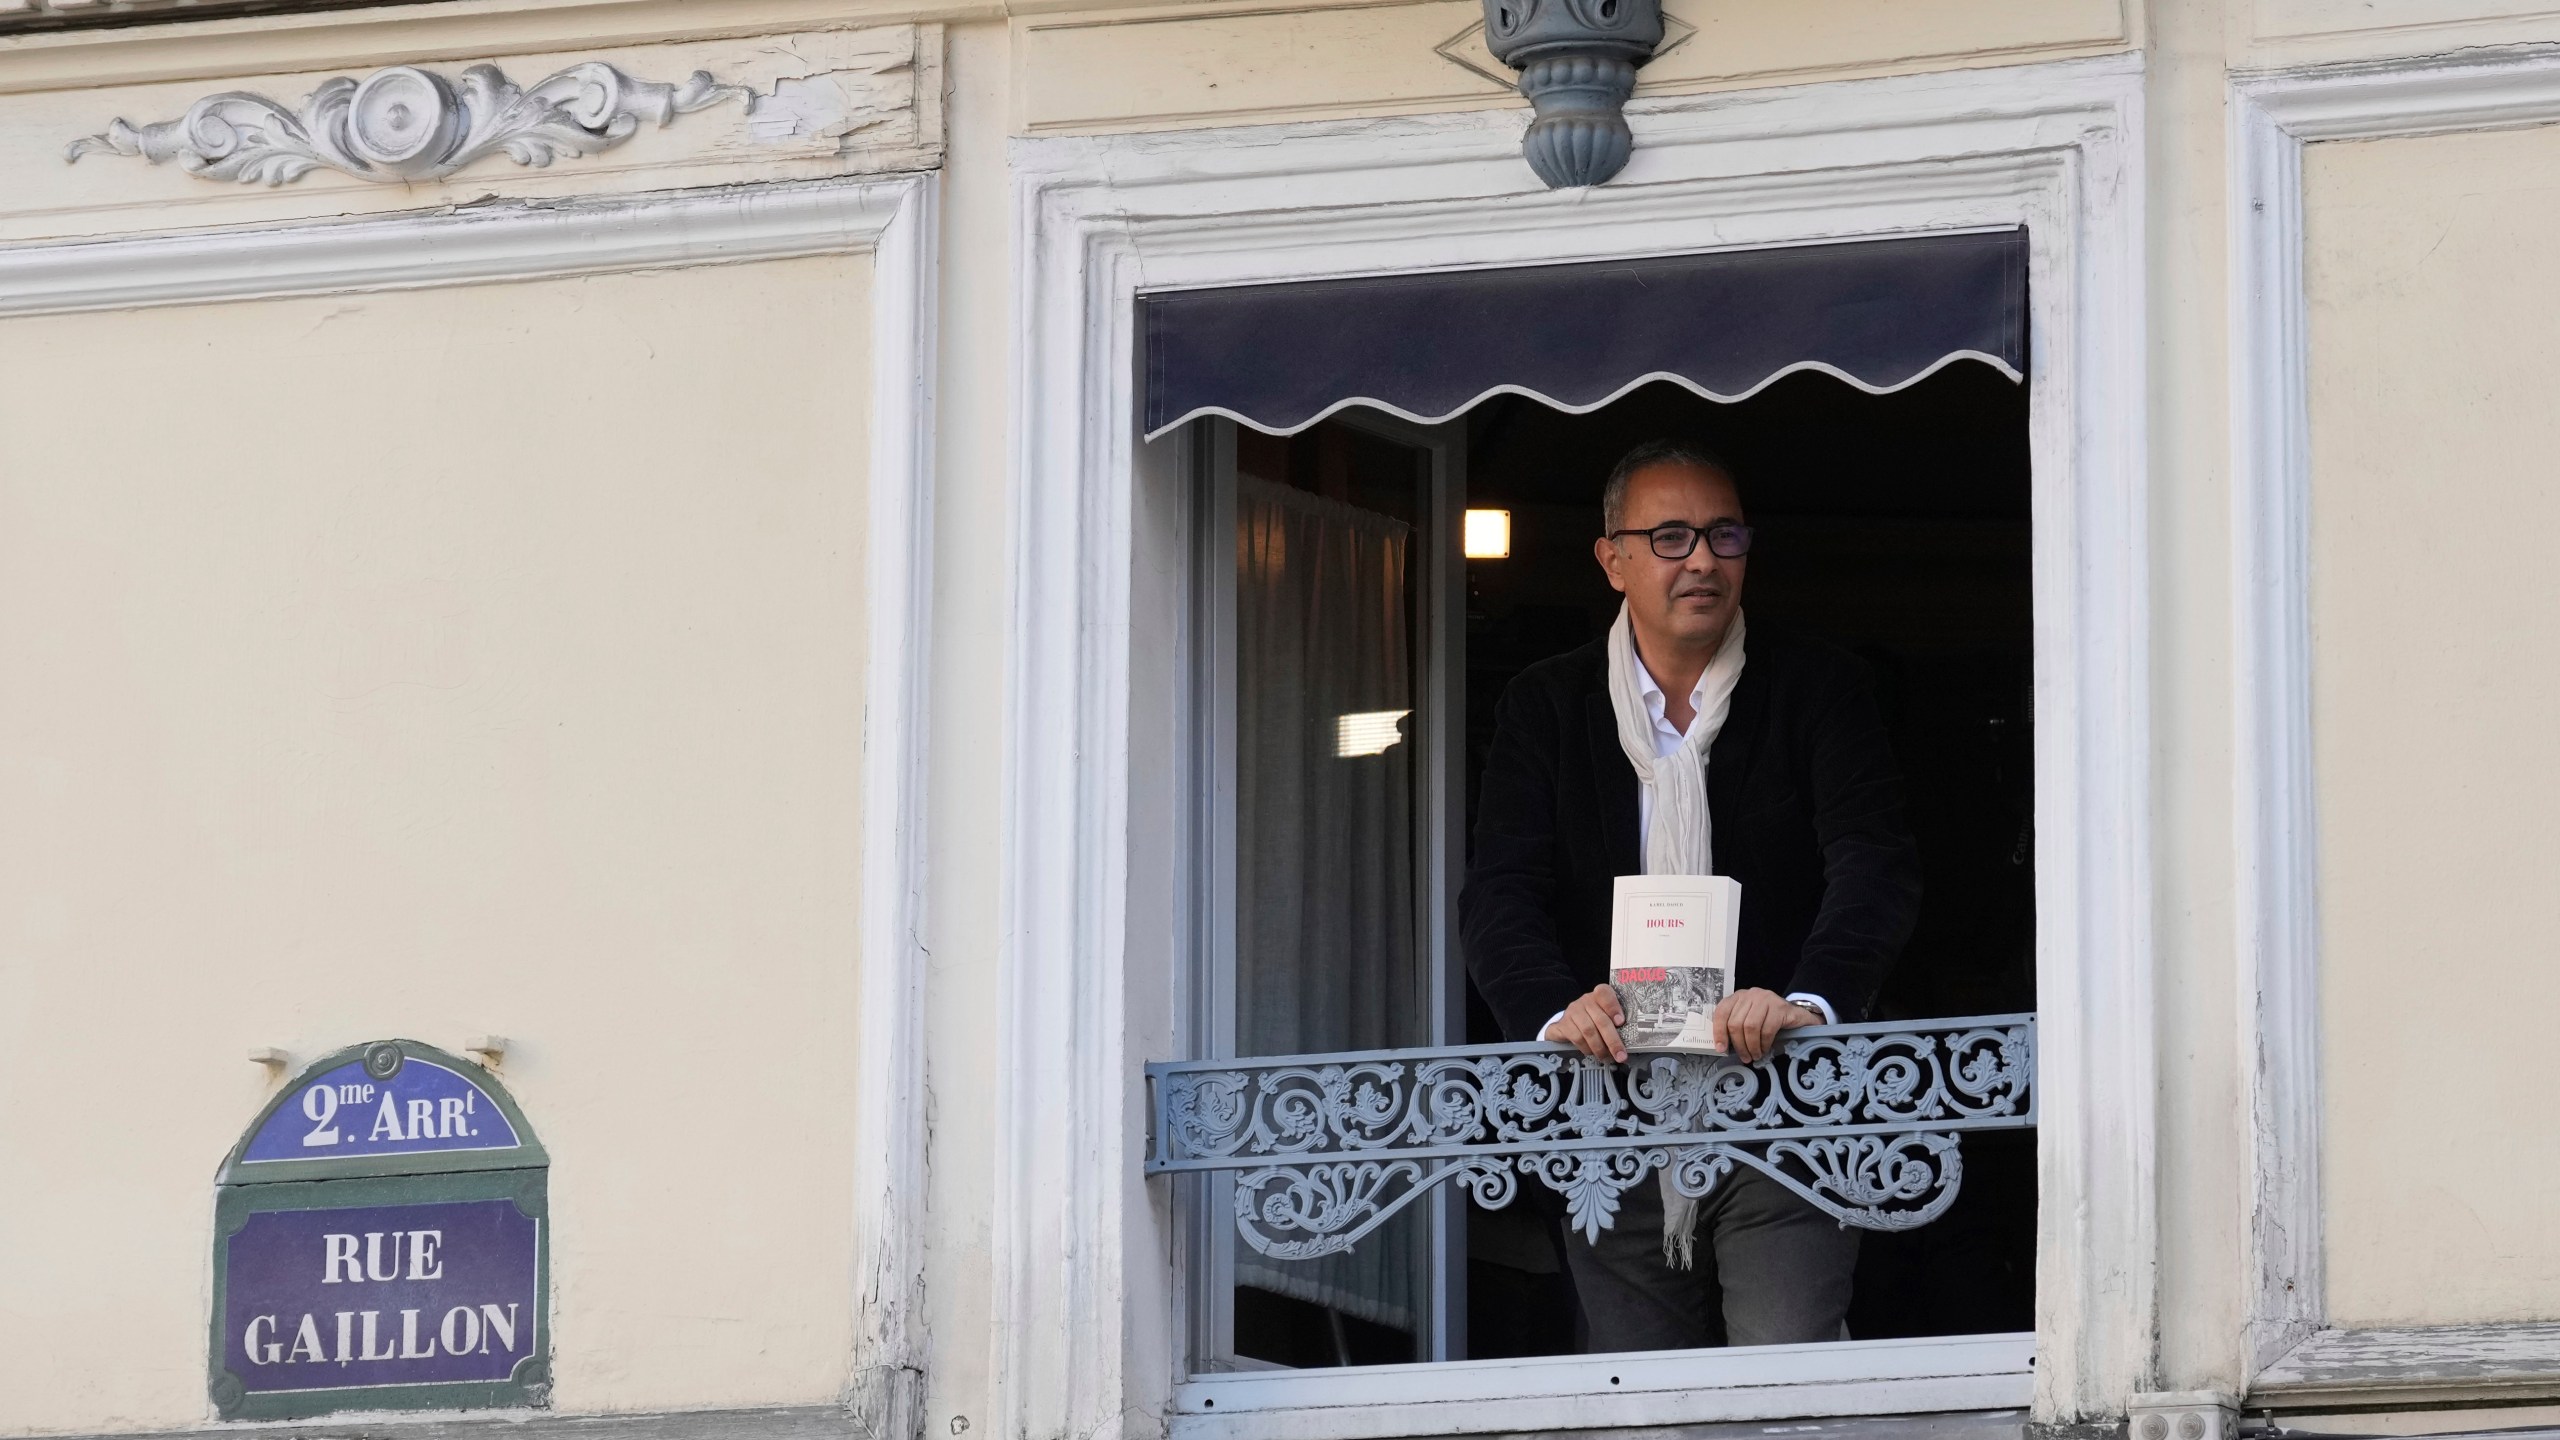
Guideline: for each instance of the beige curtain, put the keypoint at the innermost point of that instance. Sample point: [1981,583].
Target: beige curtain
[1327,951]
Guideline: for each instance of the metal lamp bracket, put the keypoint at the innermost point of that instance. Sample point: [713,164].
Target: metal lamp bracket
[1577,61]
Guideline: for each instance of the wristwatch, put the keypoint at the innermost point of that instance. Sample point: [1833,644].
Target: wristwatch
[1808,1007]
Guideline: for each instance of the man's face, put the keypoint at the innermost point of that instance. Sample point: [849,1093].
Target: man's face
[1690,601]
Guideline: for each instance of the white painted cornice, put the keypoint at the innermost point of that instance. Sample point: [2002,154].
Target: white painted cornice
[496,242]
[2475,90]
[458,31]
[447,32]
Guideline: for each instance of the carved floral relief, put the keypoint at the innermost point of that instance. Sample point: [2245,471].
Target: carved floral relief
[405,124]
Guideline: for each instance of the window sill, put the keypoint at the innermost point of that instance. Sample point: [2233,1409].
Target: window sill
[1590,1392]
[2429,1366]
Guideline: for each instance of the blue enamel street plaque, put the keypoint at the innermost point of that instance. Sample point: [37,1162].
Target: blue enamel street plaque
[344,1112]
[381,1243]
[380,1295]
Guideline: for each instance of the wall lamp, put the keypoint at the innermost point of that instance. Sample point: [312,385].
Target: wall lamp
[1577,61]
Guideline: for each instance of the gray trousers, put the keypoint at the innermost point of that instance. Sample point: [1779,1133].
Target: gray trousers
[1770,1270]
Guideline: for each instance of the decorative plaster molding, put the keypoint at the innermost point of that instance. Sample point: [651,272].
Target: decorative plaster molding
[405,124]
[514,241]
[2275,114]
[2421,1365]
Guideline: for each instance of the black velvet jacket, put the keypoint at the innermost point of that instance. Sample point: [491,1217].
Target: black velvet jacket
[1806,804]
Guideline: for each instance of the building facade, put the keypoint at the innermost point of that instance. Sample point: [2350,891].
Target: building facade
[625,544]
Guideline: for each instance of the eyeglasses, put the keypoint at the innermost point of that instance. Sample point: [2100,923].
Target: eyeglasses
[1675,540]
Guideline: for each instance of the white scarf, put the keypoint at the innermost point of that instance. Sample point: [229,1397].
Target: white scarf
[1680,840]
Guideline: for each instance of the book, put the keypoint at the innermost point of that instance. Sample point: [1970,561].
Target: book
[1671,949]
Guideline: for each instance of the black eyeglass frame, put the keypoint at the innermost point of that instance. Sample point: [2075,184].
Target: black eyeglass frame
[1707,532]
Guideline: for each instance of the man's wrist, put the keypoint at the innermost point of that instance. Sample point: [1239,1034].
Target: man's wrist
[1820,1008]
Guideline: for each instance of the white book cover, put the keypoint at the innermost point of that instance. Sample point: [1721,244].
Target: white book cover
[1671,949]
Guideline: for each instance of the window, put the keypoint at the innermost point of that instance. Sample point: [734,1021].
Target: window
[1094,1306]
[1352,662]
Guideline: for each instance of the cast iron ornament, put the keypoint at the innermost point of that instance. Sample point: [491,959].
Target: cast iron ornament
[1577,61]
[1864,1122]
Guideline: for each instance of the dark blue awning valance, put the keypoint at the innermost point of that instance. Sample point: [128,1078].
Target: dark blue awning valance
[1879,314]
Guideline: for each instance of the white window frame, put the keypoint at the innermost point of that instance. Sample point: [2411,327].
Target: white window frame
[1087,1273]
[2295,1357]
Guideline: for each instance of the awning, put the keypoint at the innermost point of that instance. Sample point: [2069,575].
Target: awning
[1879,314]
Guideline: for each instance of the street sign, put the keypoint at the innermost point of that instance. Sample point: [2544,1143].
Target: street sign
[424,1109]
[381,1243]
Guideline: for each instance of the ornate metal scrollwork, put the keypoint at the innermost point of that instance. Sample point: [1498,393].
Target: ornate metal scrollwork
[407,124]
[1577,61]
[1861,1120]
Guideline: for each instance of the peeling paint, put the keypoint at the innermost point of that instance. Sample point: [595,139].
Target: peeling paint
[828,105]
[2402,1363]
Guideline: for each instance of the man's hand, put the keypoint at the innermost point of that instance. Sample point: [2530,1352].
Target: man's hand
[1748,1021]
[1590,1024]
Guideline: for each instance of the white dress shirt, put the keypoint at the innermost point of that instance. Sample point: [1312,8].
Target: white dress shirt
[1665,740]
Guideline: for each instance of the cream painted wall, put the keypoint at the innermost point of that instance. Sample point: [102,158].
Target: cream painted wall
[1094,69]
[2436,635]
[2410,385]
[1074,70]
[2202,1117]
[431,664]
[973,602]
[341,758]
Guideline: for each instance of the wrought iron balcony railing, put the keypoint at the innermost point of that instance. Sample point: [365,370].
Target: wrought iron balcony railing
[1861,1120]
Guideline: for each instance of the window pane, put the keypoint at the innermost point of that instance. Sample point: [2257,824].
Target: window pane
[1328,944]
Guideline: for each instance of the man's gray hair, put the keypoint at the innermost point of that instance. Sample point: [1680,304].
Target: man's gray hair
[1613,495]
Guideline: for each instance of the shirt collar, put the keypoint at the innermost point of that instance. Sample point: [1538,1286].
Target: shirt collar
[1656,703]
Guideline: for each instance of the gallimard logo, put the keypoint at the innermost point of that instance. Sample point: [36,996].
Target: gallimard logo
[382,1295]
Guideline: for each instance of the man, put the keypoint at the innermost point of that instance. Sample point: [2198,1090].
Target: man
[1687,742]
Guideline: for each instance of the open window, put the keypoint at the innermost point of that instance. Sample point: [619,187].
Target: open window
[1394,509]
[1332,723]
